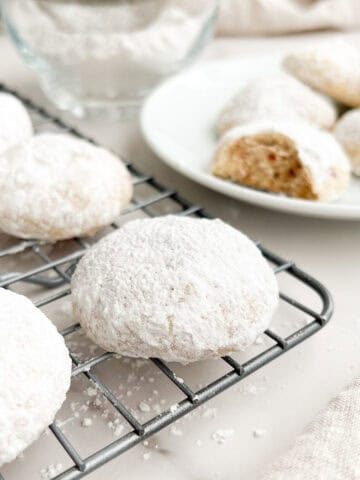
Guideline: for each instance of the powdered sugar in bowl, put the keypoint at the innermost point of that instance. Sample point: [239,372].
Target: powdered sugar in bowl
[107,54]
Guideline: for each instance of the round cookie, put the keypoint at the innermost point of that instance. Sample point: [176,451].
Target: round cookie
[15,123]
[333,68]
[276,97]
[35,370]
[294,159]
[57,187]
[347,132]
[176,288]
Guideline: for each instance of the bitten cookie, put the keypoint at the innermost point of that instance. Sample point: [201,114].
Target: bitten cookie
[276,97]
[176,288]
[15,123]
[332,68]
[57,187]
[35,370]
[347,132]
[294,159]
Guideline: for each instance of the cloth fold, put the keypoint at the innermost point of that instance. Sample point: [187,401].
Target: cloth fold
[329,448]
[251,17]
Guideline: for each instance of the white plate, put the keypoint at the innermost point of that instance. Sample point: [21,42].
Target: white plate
[178,123]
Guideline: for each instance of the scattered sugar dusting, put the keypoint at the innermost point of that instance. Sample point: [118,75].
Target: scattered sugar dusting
[86,422]
[173,408]
[51,471]
[144,407]
[222,435]
[177,432]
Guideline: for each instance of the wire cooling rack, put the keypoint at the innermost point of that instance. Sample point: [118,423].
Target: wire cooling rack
[52,277]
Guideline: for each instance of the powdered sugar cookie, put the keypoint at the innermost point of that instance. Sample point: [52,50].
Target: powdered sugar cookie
[295,159]
[276,97]
[347,132]
[57,187]
[35,370]
[15,123]
[332,68]
[181,289]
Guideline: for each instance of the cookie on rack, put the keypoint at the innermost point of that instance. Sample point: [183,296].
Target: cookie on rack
[181,289]
[347,132]
[332,68]
[279,97]
[293,159]
[35,371]
[15,122]
[57,186]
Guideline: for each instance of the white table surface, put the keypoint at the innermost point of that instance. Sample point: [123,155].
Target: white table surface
[287,393]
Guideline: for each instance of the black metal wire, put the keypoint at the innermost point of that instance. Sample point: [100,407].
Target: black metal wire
[83,466]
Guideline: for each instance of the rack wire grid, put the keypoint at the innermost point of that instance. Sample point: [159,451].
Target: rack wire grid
[53,276]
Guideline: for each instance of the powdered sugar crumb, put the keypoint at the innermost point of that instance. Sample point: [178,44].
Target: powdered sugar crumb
[91,392]
[118,430]
[144,407]
[173,408]
[259,341]
[86,422]
[51,471]
[177,432]
[222,435]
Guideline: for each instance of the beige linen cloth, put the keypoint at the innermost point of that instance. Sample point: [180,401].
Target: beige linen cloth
[250,17]
[329,448]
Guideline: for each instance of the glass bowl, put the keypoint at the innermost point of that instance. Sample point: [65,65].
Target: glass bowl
[95,55]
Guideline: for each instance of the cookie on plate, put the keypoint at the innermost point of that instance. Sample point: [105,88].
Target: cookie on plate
[181,289]
[35,371]
[333,68]
[15,123]
[56,187]
[276,97]
[347,132]
[293,159]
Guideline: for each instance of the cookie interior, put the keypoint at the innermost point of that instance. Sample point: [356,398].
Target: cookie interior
[268,161]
